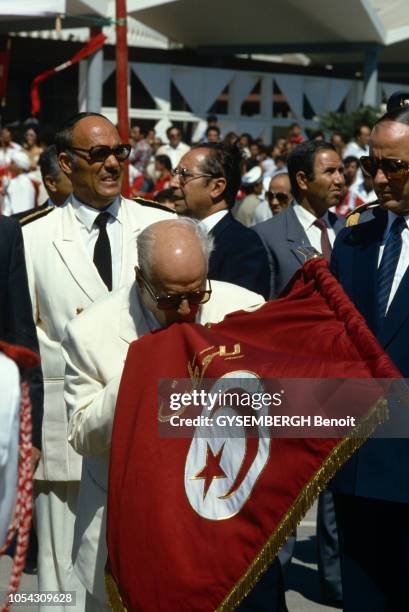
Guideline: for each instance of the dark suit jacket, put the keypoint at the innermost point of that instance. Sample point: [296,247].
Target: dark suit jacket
[282,235]
[380,468]
[239,256]
[16,318]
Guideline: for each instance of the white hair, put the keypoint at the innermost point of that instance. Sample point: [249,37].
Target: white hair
[146,241]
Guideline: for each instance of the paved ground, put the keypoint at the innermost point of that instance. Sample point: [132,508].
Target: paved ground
[302,593]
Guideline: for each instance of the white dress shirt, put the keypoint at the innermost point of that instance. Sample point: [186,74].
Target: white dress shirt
[209,222]
[403,261]
[175,154]
[313,232]
[86,216]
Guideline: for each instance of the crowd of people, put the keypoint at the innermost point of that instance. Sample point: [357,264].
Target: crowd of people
[151,162]
[212,228]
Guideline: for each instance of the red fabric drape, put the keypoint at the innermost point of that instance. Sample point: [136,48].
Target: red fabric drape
[95,43]
[163,553]
[23,356]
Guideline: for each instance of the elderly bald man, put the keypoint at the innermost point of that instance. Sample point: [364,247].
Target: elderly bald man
[171,287]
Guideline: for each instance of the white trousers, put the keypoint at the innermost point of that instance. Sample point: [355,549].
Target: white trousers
[55,510]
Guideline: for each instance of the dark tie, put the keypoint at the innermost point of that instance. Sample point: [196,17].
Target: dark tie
[325,243]
[102,251]
[389,262]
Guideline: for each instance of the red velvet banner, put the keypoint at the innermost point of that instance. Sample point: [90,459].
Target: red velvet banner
[95,43]
[193,523]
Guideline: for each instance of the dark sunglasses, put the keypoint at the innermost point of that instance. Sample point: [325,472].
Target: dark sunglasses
[392,168]
[173,301]
[278,195]
[100,153]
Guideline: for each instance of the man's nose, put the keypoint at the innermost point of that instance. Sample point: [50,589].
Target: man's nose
[174,181]
[184,308]
[339,178]
[380,178]
[111,161]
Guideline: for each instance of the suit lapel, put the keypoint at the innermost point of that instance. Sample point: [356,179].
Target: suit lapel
[365,270]
[132,324]
[74,254]
[131,227]
[295,234]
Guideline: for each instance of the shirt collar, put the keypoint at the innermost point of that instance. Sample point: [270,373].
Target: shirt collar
[306,218]
[391,219]
[209,222]
[87,214]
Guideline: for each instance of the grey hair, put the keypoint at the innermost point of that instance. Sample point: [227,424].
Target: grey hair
[146,241]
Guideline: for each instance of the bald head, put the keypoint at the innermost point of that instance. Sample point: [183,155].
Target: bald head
[173,261]
[174,249]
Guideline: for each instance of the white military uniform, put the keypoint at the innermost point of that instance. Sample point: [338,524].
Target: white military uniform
[63,281]
[94,368]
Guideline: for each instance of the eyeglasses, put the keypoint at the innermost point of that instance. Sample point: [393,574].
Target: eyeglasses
[172,301]
[184,174]
[100,153]
[278,195]
[392,168]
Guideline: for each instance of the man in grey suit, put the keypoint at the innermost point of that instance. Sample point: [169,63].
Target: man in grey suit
[316,175]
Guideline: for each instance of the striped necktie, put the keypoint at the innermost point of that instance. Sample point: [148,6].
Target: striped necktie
[389,262]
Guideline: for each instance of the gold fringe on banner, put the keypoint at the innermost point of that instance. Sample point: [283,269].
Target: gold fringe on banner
[114,596]
[338,456]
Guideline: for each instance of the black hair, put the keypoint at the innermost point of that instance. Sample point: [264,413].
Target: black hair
[302,158]
[223,160]
[63,137]
[350,159]
[166,195]
[213,128]
[165,161]
[173,127]
[48,162]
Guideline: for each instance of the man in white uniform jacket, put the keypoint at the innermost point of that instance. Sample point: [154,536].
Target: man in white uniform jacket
[75,255]
[171,286]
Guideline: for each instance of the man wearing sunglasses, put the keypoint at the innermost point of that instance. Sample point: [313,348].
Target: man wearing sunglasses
[277,198]
[76,254]
[171,287]
[371,261]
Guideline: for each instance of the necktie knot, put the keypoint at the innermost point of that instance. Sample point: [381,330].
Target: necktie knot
[320,223]
[325,241]
[102,219]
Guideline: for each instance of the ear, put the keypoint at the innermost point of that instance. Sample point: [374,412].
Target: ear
[65,162]
[219,185]
[50,184]
[302,180]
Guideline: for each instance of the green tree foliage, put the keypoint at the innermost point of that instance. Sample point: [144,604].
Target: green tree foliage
[346,123]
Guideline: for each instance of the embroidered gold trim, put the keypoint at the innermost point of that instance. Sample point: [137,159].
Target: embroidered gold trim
[36,213]
[114,597]
[338,456]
